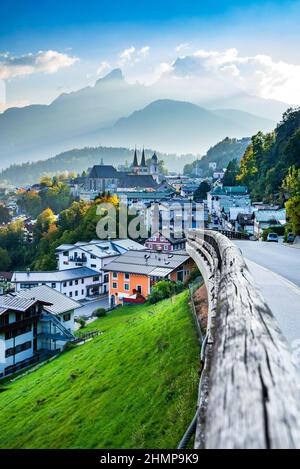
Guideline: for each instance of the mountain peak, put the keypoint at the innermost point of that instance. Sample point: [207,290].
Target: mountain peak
[114,75]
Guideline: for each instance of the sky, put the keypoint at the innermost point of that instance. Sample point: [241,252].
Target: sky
[50,47]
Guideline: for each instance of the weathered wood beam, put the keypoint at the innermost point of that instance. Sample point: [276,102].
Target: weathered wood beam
[250,396]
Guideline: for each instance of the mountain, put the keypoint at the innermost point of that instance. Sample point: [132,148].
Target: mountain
[43,130]
[181,127]
[265,108]
[94,115]
[222,153]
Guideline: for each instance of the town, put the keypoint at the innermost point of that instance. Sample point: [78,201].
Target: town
[42,309]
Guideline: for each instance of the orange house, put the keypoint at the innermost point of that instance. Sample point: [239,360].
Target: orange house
[133,274]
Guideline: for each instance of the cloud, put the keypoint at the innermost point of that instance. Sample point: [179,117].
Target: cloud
[133,55]
[127,54]
[183,46]
[144,51]
[103,68]
[48,62]
[259,75]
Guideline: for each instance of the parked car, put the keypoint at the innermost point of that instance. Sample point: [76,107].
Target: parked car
[290,238]
[272,238]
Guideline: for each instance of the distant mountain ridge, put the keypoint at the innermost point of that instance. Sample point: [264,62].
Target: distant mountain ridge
[95,115]
[182,127]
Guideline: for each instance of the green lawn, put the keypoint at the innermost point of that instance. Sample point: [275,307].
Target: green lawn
[133,387]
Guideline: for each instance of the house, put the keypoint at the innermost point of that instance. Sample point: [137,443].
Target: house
[245,222]
[78,283]
[133,274]
[33,325]
[222,199]
[265,219]
[94,255]
[158,242]
[179,215]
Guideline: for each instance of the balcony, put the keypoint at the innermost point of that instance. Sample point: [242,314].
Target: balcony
[18,324]
[78,260]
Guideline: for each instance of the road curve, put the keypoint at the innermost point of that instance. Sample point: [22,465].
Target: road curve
[276,272]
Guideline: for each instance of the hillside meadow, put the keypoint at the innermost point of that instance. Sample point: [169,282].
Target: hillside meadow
[135,386]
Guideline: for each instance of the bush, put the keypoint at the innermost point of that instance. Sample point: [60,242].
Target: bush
[99,313]
[81,322]
[165,289]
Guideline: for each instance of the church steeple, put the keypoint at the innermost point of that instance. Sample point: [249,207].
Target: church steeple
[135,160]
[143,163]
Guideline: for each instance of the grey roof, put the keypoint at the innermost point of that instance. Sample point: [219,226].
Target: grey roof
[59,302]
[147,262]
[270,215]
[132,181]
[101,248]
[104,172]
[17,303]
[57,276]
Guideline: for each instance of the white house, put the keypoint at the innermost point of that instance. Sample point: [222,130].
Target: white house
[222,199]
[33,324]
[265,219]
[78,283]
[94,255]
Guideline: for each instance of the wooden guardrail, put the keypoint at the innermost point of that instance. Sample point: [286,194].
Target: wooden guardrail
[250,387]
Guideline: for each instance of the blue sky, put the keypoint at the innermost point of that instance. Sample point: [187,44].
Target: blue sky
[86,37]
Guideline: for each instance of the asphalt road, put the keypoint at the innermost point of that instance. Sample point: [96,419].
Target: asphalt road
[281,259]
[276,272]
[89,307]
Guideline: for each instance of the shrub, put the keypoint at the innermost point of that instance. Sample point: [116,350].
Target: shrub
[99,313]
[81,322]
[164,289]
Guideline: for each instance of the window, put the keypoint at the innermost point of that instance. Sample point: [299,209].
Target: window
[115,275]
[17,332]
[71,294]
[127,276]
[53,285]
[67,317]
[82,292]
[166,247]
[18,349]
[71,283]
[82,281]
[96,279]
[76,282]
[115,286]
[93,266]
[76,293]
[139,288]
[150,246]
[93,257]
[66,254]
[126,287]
[106,278]
[65,284]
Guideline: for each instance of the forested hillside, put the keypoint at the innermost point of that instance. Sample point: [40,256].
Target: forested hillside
[269,157]
[222,153]
[79,160]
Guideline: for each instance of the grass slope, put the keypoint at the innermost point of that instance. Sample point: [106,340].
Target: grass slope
[133,387]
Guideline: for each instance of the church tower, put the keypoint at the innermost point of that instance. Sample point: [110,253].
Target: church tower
[154,168]
[143,167]
[135,165]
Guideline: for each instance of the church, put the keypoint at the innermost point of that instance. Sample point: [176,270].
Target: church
[143,168]
[140,176]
